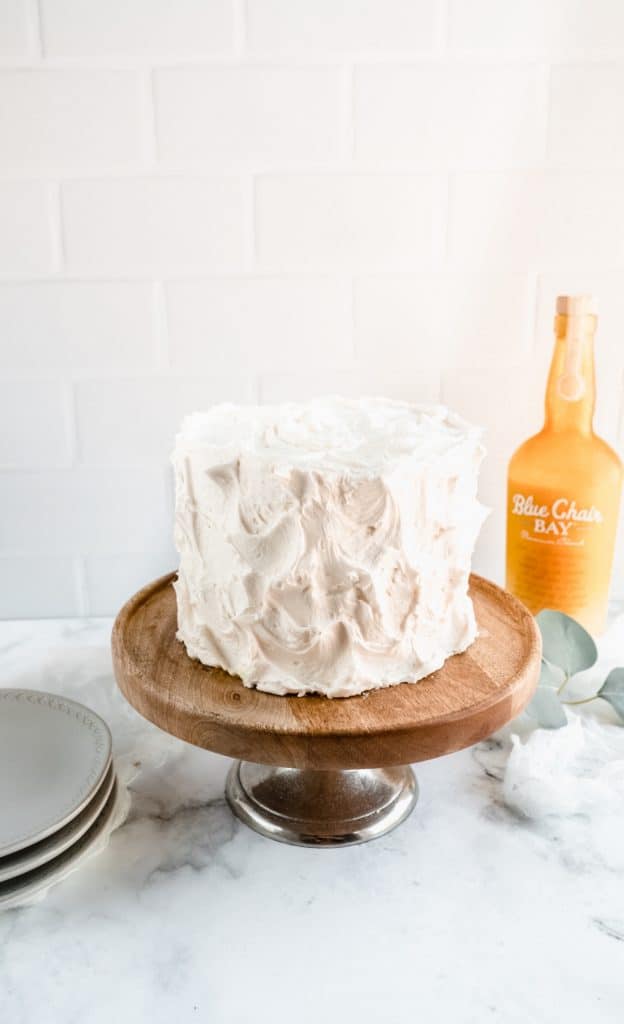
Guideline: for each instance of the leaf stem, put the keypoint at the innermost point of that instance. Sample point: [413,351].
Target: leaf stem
[585,700]
[565,682]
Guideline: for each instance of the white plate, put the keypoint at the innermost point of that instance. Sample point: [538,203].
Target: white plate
[54,754]
[40,853]
[23,889]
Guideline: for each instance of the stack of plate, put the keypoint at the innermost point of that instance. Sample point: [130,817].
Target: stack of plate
[58,791]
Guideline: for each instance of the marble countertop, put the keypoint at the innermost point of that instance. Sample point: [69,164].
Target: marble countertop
[466,913]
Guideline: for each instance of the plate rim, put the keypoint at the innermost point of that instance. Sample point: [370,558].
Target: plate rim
[20,888]
[89,718]
[76,829]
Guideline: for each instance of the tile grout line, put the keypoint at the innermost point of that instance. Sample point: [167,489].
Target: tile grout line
[81,584]
[351,284]
[442,242]
[442,28]
[160,328]
[533,297]
[546,67]
[35,29]
[71,420]
[239,27]
[249,189]
[55,218]
[440,54]
[620,418]
[347,136]
[149,121]
[206,172]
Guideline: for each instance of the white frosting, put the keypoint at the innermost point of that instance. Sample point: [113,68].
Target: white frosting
[325,547]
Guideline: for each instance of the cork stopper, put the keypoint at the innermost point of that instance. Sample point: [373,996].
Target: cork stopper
[575,305]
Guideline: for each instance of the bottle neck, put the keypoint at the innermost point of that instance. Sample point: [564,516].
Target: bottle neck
[571,390]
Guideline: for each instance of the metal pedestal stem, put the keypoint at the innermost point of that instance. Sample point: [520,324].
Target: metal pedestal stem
[320,808]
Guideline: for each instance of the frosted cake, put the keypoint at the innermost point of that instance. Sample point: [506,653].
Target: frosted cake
[325,547]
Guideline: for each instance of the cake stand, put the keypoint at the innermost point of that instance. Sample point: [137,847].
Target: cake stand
[318,772]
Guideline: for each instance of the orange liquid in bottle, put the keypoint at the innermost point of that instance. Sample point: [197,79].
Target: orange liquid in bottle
[563,490]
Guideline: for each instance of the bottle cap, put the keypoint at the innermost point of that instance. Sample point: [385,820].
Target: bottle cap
[575,305]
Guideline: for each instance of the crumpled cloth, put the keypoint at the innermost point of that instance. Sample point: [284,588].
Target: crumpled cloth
[579,768]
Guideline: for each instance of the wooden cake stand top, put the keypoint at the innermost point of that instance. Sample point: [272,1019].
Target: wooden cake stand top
[471,696]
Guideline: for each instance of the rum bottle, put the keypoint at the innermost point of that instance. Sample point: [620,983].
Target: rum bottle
[564,487]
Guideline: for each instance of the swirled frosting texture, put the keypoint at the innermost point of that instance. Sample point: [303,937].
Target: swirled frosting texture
[325,547]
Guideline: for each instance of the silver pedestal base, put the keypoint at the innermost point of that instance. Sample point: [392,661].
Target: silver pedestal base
[320,808]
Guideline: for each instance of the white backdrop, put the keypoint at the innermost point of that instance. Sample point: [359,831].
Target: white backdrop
[217,199]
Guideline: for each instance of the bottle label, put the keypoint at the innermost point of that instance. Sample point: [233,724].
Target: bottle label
[560,548]
[560,521]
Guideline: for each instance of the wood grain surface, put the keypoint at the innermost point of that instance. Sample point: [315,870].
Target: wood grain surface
[470,697]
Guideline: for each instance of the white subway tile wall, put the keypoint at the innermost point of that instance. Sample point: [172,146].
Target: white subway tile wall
[153,225]
[257,200]
[137,28]
[15,29]
[29,235]
[460,114]
[242,116]
[53,121]
[255,324]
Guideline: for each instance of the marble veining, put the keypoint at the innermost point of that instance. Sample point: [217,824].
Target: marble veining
[467,913]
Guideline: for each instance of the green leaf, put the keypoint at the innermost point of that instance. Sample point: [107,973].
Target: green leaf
[612,690]
[565,643]
[546,708]
[551,675]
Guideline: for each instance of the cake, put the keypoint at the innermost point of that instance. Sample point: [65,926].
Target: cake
[325,547]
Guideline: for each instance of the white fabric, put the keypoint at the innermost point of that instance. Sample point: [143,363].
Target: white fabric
[578,769]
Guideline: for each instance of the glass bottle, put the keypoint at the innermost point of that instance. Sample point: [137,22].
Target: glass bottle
[564,486]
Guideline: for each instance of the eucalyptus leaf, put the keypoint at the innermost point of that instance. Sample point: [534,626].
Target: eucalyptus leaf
[551,675]
[565,643]
[546,708]
[612,690]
